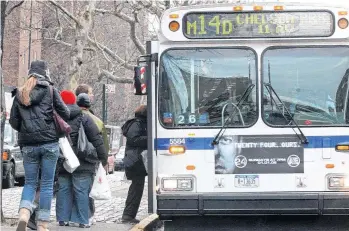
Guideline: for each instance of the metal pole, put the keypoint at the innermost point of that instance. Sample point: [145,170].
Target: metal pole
[104,105]
[30,33]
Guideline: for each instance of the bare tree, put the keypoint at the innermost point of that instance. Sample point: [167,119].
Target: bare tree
[6,9]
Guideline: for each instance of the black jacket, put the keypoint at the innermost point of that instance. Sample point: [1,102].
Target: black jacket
[34,123]
[135,131]
[93,136]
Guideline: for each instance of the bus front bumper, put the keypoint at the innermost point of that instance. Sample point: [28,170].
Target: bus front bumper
[326,203]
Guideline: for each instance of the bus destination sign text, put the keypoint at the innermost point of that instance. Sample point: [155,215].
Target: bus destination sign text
[257,25]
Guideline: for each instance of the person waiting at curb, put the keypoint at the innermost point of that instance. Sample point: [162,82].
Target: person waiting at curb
[135,131]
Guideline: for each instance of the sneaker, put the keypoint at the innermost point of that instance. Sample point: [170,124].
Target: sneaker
[62,223]
[84,226]
[91,221]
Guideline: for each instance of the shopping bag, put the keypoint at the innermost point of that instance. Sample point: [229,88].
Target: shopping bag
[100,188]
[145,159]
[71,161]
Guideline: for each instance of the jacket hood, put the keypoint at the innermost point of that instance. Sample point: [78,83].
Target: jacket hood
[37,94]
[75,110]
[127,126]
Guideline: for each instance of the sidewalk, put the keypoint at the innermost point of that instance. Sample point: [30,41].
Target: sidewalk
[97,227]
[108,212]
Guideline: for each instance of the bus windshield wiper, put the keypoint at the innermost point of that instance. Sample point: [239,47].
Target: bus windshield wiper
[271,90]
[224,126]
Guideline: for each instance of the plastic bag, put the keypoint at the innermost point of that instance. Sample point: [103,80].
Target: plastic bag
[145,159]
[100,188]
[71,161]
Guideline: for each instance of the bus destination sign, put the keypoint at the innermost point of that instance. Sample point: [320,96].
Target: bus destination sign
[222,25]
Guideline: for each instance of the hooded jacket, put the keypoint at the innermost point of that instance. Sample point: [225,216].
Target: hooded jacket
[93,136]
[35,123]
[135,131]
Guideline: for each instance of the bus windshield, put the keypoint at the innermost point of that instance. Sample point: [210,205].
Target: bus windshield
[201,87]
[311,81]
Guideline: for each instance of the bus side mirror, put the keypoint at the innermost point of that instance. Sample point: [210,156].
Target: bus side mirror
[140,81]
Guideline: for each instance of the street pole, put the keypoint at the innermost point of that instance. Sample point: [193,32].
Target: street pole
[104,109]
[30,33]
[106,106]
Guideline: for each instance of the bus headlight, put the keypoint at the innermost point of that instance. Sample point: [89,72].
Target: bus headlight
[177,184]
[338,182]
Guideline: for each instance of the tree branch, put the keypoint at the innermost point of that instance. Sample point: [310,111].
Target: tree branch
[110,53]
[66,12]
[117,13]
[109,75]
[14,7]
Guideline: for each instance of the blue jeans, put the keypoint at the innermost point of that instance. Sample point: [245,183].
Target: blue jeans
[44,157]
[72,203]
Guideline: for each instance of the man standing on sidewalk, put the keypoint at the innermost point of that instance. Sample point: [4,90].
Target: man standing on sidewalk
[84,88]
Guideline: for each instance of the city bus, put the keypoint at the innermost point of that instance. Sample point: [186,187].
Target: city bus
[248,110]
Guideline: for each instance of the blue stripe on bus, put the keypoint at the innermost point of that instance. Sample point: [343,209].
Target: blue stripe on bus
[204,143]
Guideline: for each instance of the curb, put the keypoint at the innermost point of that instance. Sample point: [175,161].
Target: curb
[146,224]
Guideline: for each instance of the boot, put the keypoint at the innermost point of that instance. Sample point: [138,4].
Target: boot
[24,215]
[42,226]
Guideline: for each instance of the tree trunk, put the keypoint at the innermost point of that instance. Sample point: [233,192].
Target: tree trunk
[82,30]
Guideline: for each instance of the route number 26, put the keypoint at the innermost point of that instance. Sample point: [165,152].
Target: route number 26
[191,119]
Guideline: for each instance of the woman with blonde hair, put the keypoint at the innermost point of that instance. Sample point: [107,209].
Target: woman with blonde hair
[32,116]
[135,131]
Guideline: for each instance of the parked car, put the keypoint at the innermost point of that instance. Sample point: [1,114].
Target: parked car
[119,164]
[12,159]
[114,134]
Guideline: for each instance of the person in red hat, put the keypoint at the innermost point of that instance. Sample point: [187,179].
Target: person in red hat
[72,203]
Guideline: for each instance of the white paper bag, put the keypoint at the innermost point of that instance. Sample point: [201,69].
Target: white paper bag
[100,188]
[145,159]
[71,161]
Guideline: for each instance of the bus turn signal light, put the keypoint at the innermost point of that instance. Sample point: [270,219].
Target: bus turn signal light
[238,8]
[174,26]
[342,147]
[190,167]
[342,13]
[329,165]
[278,8]
[174,16]
[176,150]
[343,23]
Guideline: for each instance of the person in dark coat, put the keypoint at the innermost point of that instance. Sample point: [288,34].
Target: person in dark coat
[135,130]
[87,89]
[72,203]
[32,116]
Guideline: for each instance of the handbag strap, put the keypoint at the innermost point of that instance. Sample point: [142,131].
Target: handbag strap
[51,93]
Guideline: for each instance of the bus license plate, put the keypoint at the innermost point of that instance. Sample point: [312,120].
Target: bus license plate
[247,181]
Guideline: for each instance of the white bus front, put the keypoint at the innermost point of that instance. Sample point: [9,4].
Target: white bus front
[272,81]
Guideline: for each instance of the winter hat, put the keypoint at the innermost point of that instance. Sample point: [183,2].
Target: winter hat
[84,100]
[68,97]
[39,69]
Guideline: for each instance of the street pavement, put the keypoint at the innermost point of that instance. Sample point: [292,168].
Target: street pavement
[108,212]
